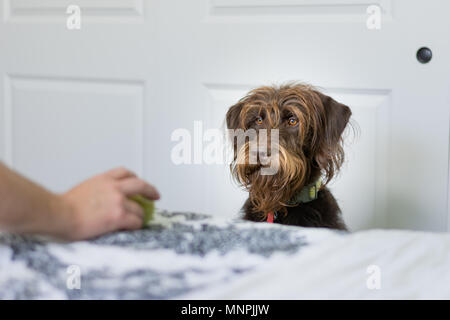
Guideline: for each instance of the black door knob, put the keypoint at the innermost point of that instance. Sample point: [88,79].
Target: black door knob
[424,55]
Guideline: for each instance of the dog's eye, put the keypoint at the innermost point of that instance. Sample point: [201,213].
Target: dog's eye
[292,121]
[259,121]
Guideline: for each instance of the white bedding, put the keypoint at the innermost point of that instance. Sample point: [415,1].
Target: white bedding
[410,265]
[189,256]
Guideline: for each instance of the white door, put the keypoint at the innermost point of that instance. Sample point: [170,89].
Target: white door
[77,102]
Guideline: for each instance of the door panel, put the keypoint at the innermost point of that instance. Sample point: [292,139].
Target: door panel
[361,185]
[294,11]
[112,11]
[52,121]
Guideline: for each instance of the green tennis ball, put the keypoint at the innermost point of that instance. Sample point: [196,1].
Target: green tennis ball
[147,205]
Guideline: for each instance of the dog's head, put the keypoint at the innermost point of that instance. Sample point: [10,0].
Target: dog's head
[303,129]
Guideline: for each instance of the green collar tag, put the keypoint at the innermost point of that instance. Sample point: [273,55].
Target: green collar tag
[307,194]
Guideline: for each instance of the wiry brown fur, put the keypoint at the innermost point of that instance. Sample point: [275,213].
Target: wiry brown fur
[307,151]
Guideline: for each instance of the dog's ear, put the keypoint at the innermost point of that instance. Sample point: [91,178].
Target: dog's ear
[234,116]
[330,154]
[337,116]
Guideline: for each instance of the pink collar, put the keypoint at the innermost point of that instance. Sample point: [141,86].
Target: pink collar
[270,217]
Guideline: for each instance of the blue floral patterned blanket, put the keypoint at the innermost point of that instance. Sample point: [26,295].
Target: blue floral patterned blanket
[178,255]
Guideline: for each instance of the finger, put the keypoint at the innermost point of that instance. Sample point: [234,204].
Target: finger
[120,173]
[133,186]
[131,222]
[133,208]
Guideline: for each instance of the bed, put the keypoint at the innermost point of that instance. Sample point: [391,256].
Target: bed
[194,256]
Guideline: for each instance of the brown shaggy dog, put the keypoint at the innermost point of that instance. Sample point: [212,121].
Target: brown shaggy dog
[309,127]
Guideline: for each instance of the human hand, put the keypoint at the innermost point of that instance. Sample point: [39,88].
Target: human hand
[101,205]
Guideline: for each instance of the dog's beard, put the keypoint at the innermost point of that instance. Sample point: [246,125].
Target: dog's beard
[270,192]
